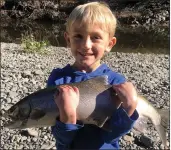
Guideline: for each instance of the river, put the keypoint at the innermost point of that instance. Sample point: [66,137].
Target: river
[129,40]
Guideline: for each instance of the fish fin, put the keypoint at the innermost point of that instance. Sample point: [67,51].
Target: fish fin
[36,114]
[162,127]
[141,124]
[103,79]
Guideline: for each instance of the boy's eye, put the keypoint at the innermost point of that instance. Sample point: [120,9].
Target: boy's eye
[97,37]
[78,36]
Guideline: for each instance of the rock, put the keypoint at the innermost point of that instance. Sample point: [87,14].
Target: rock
[47,146]
[20,147]
[31,132]
[24,138]
[38,72]
[146,141]
[167,144]
[13,94]
[34,139]
[128,138]
[26,74]
[162,146]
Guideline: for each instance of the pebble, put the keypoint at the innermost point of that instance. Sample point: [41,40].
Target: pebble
[162,146]
[34,139]
[24,138]
[38,72]
[13,94]
[20,147]
[146,141]
[26,74]
[46,146]
[32,132]
[128,138]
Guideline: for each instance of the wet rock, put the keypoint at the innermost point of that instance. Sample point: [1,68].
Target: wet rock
[146,141]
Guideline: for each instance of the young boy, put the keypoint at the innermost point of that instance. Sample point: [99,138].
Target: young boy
[90,33]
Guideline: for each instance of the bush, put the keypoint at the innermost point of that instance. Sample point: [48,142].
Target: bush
[30,44]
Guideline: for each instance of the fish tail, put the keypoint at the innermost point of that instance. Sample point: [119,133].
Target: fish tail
[162,127]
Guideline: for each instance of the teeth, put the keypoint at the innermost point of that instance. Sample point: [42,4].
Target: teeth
[86,54]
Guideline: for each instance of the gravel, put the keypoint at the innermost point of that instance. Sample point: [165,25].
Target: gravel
[23,73]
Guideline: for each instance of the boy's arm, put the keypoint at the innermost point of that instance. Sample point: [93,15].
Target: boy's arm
[124,118]
[127,95]
[121,124]
[64,132]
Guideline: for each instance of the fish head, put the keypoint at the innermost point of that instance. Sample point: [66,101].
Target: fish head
[17,115]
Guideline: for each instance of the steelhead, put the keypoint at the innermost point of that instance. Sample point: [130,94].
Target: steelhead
[97,104]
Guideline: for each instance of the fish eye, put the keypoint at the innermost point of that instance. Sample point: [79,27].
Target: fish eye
[13,112]
[12,109]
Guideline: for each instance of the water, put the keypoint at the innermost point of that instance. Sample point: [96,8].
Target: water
[128,40]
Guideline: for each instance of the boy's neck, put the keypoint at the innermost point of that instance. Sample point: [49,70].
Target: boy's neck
[86,69]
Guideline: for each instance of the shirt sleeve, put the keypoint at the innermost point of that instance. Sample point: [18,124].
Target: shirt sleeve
[53,76]
[115,78]
[120,124]
[65,133]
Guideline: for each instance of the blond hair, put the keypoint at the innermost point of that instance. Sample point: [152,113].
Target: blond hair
[93,13]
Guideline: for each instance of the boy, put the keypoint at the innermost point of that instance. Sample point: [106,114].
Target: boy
[89,33]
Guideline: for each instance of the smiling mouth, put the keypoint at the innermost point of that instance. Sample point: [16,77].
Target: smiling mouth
[82,54]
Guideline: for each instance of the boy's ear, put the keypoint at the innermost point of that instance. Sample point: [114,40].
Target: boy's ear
[112,42]
[66,36]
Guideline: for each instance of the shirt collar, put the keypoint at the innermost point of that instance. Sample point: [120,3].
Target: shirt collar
[99,71]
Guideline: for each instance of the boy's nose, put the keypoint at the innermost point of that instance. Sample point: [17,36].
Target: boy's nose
[87,43]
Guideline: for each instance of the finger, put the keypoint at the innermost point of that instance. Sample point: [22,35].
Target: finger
[117,87]
[117,90]
[73,88]
[76,89]
[59,91]
[64,88]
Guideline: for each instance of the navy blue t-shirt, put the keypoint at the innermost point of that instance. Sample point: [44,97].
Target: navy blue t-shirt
[79,136]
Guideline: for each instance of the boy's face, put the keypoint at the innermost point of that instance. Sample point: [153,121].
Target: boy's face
[88,44]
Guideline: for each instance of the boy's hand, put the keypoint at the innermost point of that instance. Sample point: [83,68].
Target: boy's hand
[128,96]
[67,102]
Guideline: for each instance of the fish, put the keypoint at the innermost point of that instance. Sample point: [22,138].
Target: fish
[39,108]
[159,118]
[98,101]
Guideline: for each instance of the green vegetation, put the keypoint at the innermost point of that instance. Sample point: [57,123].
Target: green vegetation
[30,45]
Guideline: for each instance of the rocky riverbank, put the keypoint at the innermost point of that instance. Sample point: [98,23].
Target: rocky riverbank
[23,73]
